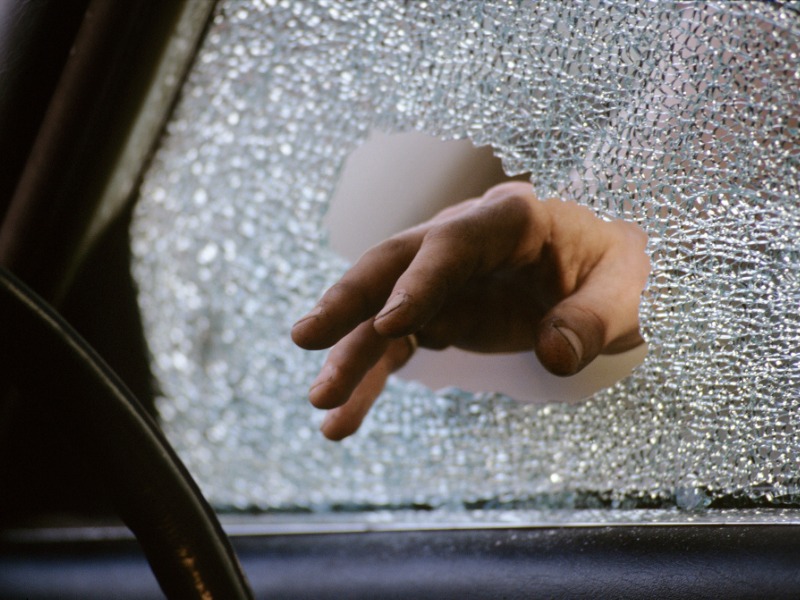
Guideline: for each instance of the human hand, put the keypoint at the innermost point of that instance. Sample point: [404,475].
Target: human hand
[502,273]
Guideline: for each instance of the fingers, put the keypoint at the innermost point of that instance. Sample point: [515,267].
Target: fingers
[345,420]
[346,365]
[418,269]
[353,377]
[442,266]
[454,250]
[359,294]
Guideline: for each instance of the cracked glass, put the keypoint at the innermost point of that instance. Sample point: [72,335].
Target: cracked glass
[682,117]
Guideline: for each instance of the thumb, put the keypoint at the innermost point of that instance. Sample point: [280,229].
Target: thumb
[602,315]
[569,337]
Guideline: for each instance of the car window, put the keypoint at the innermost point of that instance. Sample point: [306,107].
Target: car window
[680,117]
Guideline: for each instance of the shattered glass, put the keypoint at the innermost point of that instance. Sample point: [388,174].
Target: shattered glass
[683,117]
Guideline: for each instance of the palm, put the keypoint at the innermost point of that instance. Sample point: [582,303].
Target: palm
[497,312]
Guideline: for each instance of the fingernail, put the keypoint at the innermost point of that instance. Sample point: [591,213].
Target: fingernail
[315,312]
[573,340]
[394,303]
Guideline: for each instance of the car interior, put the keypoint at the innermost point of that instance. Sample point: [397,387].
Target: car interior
[126,470]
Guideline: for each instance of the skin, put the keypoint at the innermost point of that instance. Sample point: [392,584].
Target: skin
[506,272]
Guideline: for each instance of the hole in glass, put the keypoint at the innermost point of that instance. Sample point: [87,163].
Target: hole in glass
[392,182]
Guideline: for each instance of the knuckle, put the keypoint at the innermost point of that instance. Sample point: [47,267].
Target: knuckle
[509,190]
[341,288]
[347,292]
[458,234]
[631,232]
[395,245]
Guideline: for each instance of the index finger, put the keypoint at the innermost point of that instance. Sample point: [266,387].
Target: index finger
[359,294]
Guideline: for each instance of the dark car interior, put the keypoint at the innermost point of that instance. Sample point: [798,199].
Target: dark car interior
[95,503]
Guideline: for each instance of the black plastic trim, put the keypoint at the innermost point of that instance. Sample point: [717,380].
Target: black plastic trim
[152,490]
[672,562]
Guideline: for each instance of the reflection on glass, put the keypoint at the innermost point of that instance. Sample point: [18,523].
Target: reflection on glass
[684,120]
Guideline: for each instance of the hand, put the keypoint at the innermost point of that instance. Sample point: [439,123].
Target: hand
[502,273]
